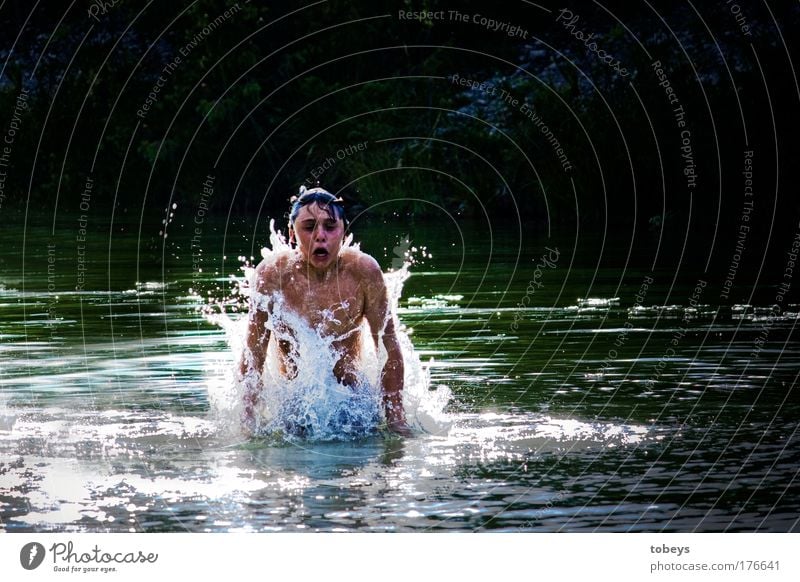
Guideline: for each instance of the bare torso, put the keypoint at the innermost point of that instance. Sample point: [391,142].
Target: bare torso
[332,305]
[337,291]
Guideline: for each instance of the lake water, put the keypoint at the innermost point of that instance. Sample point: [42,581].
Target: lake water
[586,396]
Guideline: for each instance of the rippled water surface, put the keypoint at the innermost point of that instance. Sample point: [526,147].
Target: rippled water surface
[575,407]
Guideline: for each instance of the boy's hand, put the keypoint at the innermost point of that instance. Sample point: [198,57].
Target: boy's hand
[400,427]
[395,415]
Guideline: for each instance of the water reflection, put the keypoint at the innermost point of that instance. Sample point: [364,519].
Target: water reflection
[105,420]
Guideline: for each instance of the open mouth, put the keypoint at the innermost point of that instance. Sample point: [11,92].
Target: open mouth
[320,253]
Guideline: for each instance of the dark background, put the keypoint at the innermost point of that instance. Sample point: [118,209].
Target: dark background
[272,92]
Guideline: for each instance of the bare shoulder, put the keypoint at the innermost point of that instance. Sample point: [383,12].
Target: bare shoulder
[270,269]
[362,265]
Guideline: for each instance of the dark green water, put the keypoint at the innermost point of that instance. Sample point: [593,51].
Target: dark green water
[679,414]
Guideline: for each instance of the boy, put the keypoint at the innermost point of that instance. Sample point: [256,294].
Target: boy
[334,290]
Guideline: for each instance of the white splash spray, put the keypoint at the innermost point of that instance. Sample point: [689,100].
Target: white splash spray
[314,404]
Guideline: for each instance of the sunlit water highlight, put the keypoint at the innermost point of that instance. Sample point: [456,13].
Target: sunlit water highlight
[118,412]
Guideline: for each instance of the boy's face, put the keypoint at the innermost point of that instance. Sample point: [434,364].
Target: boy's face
[319,235]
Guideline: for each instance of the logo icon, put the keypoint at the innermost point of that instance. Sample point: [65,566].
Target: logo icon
[31,555]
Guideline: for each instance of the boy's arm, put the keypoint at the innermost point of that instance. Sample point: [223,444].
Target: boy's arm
[382,327]
[254,353]
[392,378]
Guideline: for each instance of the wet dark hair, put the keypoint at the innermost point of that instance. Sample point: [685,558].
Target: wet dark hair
[333,206]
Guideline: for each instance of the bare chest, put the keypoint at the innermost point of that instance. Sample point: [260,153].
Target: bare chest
[334,307]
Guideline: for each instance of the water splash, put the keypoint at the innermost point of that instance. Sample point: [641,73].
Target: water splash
[313,404]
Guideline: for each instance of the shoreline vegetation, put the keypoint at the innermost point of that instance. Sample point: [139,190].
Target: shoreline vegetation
[403,115]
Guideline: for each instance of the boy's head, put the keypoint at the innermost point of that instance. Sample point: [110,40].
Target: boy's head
[333,206]
[317,224]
